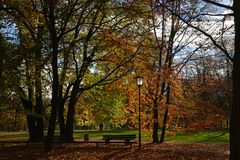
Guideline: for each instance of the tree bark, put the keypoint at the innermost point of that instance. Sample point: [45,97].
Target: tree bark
[31,127]
[34,120]
[235,111]
[1,57]
[71,112]
[61,120]
[38,93]
[165,119]
[50,16]
[30,120]
[155,123]
[54,101]
[70,120]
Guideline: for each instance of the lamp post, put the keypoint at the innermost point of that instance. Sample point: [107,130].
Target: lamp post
[139,83]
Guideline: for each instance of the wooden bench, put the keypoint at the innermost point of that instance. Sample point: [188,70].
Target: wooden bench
[120,139]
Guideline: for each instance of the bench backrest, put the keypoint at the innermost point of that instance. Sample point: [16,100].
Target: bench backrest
[119,137]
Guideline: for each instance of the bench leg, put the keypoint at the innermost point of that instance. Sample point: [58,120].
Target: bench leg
[107,141]
[127,141]
[97,144]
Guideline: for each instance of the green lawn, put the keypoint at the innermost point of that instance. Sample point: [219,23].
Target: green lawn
[13,136]
[201,136]
[185,136]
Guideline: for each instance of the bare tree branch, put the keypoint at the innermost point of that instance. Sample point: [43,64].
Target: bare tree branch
[218,4]
[201,31]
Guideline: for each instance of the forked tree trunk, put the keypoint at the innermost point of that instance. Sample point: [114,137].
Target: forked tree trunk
[35,130]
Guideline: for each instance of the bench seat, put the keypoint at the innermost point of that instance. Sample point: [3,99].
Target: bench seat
[126,138]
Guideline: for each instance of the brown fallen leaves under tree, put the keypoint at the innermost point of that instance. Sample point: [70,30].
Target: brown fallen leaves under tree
[166,151]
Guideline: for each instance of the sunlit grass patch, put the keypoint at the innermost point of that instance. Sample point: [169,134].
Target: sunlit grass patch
[201,136]
[171,136]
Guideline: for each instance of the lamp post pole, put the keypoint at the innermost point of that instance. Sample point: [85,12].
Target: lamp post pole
[139,115]
[139,83]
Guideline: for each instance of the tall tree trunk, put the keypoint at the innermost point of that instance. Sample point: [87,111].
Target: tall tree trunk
[39,108]
[49,12]
[38,94]
[34,120]
[30,119]
[62,100]
[235,111]
[165,118]
[156,112]
[161,44]
[71,112]
[1,57]
[54,101]
[155,123]
[61,120]
[27,101]
[70,120]
[31,128]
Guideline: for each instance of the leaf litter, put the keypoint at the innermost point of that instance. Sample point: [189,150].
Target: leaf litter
[149,151]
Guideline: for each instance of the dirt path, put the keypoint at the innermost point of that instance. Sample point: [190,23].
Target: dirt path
[166,151]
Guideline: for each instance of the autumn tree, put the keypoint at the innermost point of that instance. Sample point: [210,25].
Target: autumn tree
[169,40]
[9,106]
[102,105]
[29,52]
[207,90]
[233,12]
[87,42]
[83,45]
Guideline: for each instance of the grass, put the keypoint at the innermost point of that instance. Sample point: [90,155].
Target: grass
[201,136]
[13,136]
[171,136]
[185,136]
